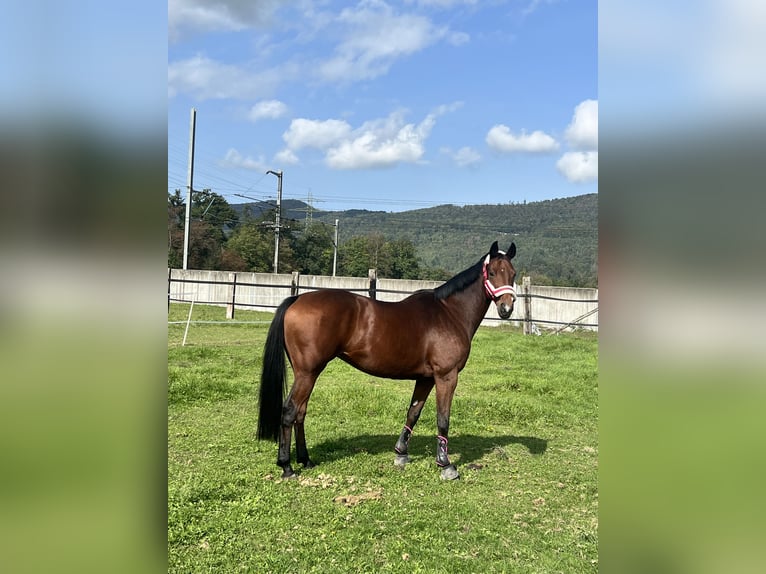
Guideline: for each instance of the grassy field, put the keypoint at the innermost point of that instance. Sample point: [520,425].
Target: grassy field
[524,436]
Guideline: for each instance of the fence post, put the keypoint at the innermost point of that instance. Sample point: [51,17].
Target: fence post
[526,288]
[295,283]
[230,306]
[372,275]
[170,271]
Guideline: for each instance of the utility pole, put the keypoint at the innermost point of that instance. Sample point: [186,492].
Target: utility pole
[309,209]
[190,178]
[335,251]
[277,221]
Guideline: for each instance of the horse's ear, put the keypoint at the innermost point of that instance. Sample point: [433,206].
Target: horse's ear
[493,250]
[511,251]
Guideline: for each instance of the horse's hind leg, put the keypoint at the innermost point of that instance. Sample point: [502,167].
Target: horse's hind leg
[301,452]
[283,455]
[419,395]
[293,413]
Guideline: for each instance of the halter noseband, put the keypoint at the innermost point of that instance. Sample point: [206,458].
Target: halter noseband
[493,292]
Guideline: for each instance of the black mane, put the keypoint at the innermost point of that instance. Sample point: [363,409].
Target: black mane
[459,281]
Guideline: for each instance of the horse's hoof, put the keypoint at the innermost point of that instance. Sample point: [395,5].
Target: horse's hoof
[308,464]
[449,473]
[289,474]
[401,460]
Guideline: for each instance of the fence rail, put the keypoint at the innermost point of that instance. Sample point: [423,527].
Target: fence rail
[558,308]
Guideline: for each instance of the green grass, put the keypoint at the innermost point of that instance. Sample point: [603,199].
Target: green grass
[524,435]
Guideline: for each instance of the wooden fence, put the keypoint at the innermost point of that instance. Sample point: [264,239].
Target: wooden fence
[538,306]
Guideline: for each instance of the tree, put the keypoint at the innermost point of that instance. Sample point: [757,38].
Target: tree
[211,216]
[403,261]
[435,274]
[354,258]
[392,259]
[213,209]
[175,229]
[175,200]
[253,243]
[205,246]
[232,261]
[314,250]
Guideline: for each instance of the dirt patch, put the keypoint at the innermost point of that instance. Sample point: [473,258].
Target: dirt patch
[354,499]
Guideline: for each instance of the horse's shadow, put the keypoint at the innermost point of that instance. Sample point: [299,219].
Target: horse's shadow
[464,449]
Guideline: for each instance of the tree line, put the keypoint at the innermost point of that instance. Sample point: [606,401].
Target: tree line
[219,239]
[557,239]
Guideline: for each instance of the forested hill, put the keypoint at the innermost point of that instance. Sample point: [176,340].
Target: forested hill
[556,240]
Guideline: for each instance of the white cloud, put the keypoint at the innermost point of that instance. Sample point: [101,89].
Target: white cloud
[382,143]
[582,132]
[234,159]
[267,109]
[464,157]
[376,143]
[579,166]
[366,40]
[444,3]
[534,4]
[501,139]
[375,37]
[458,38]
[447,108]
[286,157]
[204,78]
[222,15]
[304,133]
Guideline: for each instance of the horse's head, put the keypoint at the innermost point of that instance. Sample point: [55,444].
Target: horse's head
[500,279]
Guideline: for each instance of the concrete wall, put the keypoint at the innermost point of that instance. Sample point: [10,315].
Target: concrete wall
[314,282]
[398,289]
[265,291]
[219,293]
[561,311]
[261,290]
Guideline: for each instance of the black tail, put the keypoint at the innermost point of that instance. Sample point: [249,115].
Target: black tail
[273,376]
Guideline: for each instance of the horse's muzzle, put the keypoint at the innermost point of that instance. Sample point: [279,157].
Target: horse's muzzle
[504,309]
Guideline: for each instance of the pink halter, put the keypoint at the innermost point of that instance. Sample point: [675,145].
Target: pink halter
[493,292]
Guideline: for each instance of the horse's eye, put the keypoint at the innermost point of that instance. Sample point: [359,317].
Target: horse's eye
[491,273]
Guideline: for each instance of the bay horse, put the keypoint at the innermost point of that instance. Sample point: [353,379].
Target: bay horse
[425,337]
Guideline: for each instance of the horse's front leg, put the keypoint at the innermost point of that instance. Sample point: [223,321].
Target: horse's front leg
[419,395]
[445,390]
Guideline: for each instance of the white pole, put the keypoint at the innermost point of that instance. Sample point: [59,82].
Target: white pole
[190,178]
[335,250]
[188,320]
[277,219]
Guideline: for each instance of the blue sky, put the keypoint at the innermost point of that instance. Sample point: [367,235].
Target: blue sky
[385,105]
